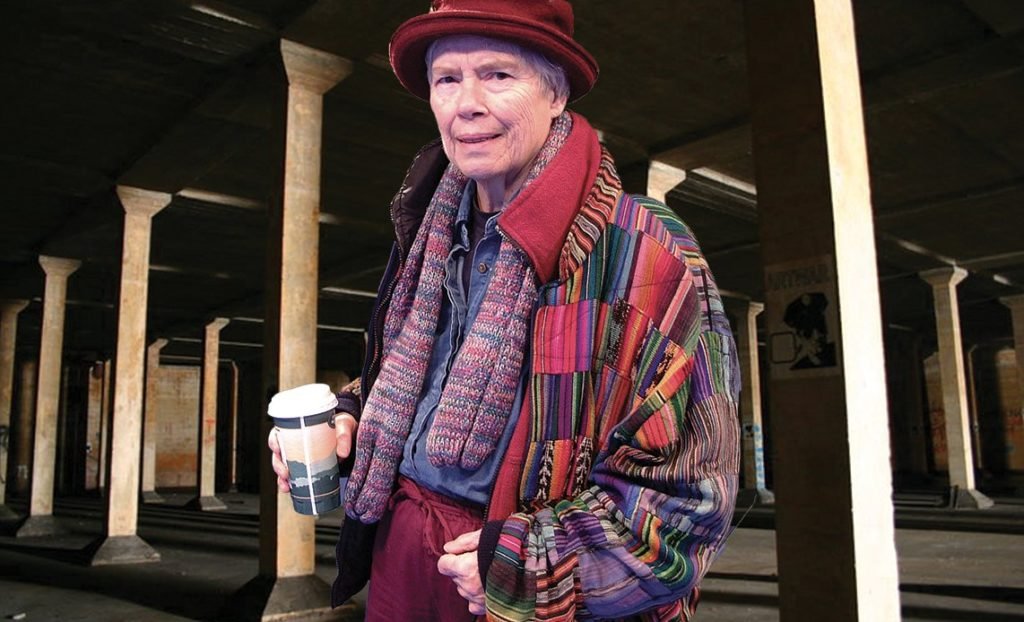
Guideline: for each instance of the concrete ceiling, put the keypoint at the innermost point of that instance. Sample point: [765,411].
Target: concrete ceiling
[182,97]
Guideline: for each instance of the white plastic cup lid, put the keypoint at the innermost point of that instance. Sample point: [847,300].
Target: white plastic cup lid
[309,399]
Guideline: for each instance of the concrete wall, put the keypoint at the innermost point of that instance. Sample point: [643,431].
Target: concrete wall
[1000,404]
[177,426]
[998,407]
[1011,408]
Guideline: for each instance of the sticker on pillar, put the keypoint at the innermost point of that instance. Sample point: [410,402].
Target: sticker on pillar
[801,315]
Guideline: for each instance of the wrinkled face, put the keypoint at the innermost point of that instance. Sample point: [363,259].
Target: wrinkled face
[492,108]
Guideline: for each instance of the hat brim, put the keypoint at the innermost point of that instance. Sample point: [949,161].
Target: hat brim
[409,44]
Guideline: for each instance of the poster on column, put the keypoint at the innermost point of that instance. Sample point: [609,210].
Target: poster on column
[802,319]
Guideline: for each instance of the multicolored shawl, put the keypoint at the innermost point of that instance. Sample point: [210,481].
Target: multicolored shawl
[481,387]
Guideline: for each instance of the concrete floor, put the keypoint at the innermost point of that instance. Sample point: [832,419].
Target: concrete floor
[954,565]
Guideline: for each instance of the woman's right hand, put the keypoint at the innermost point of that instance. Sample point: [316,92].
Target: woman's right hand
[345,432]
[280,468]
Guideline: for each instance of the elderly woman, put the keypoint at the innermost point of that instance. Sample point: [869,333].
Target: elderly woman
[546,420]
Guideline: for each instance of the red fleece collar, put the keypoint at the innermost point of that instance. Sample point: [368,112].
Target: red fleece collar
[539,219]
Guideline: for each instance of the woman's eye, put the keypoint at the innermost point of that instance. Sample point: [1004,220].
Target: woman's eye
[445,80]
[501,75]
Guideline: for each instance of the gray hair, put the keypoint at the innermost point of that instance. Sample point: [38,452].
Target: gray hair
[552,75]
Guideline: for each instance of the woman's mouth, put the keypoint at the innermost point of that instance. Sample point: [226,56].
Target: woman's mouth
[473,139]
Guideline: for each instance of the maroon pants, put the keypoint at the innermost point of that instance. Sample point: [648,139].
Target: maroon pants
[404,581]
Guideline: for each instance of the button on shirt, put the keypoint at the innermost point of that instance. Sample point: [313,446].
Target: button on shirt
[460,305]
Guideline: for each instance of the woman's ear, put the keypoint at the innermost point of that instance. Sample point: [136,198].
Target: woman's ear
[558,105]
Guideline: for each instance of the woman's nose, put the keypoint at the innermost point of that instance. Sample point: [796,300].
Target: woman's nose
[470,99]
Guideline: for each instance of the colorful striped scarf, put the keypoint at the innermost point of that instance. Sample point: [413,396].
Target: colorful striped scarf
[481,386]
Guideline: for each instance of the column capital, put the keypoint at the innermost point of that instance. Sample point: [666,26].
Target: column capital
[218,323]
[140,201]
[58,266]
[661,178]
[13,307]
[1015,303]
[944,277]
[312,69]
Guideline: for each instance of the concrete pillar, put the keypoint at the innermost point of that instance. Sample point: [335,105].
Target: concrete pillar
[9,310]
[106,419]
[954,387]
[94,417]
[287,583]
[24,426]
[207,453]
[121,544]
[834,515]
[971,382]
[233,479]
[753,488]
[149,423]
[662,178]
[64,462]
[40,521]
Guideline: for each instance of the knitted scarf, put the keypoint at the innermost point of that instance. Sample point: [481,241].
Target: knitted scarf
[481,387]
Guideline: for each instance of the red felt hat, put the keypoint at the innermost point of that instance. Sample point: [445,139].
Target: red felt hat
[542,25]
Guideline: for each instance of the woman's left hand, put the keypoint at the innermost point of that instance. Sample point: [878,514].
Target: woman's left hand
[460,563]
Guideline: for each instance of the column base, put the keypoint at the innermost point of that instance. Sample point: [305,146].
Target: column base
[40,527]
[152,496]
[207,504]
[110,550]
[969,499]
[271,599]
[748,497]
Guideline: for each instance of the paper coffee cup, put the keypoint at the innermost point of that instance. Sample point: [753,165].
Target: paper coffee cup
[308,446]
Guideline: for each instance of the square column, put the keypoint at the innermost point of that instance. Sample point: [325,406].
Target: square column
[24,424]
[954,387]
[233,480]
[106,419]
[834,516]
[149,423]
[121,544]
[661,179]
[207,454]
[40,521]
[754,489]
[287,584]
[9,310]
[94,414]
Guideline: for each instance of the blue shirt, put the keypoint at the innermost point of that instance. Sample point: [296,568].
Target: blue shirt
[459,307]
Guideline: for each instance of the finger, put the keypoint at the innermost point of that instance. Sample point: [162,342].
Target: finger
[281,471]
[272,442]
[345,430]
[465,543]
[477,609]
[446,565]
[279,466]
[469,593]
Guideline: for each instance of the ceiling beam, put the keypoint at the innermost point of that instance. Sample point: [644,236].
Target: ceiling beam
[914,209]
[930,76]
